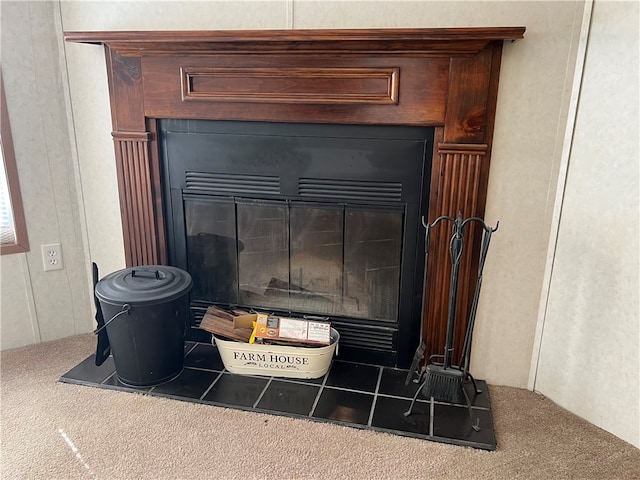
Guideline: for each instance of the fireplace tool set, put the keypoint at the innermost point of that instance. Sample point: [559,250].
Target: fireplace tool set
[440,378]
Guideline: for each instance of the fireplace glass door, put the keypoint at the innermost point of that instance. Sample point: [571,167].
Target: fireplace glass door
[322,259]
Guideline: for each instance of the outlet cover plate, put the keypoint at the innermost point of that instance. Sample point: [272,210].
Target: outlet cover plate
[52,257]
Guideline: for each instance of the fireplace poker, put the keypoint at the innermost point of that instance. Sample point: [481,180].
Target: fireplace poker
[484,248]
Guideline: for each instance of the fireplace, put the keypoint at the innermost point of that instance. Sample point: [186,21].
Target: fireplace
[441,82]
[310,220]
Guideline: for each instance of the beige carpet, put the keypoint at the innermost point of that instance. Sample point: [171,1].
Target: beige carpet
[52,430]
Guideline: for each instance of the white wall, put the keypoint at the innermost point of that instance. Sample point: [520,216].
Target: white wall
[38,306]
[589,361]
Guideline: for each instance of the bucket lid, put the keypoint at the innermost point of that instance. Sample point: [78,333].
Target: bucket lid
[149,284]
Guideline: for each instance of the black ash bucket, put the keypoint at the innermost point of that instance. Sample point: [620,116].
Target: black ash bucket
[145,311]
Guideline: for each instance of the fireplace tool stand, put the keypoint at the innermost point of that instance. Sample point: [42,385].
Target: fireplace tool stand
[444,380]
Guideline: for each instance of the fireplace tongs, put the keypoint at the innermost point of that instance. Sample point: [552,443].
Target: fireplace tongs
[456,376]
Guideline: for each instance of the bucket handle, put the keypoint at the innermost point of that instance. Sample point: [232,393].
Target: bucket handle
[156,272]
[125,309]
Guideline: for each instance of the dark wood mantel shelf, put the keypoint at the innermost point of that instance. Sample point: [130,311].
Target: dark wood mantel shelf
[446,78]
[453,41]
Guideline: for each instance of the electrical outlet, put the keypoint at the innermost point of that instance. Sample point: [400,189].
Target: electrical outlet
[52,257]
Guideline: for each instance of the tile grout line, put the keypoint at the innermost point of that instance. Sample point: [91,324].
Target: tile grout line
[432,410]
[108,377]
[262,393]
[202,369]
[191,349]
[324,381]
[211,386]
[375,397]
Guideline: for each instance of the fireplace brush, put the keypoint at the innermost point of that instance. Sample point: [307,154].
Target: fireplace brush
[442,381]
[445,381]
[103,348]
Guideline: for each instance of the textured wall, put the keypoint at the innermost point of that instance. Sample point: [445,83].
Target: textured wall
[37,305]
[589,359]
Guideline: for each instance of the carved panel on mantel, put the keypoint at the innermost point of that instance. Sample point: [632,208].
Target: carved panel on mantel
[446,78]
[356,89]
[291,85]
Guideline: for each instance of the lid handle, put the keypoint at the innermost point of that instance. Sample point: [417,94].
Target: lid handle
[156,272]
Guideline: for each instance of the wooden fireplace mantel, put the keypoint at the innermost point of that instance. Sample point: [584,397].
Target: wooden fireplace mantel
[446,78]
[440,41]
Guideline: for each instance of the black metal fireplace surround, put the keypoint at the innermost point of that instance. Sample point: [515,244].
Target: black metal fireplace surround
[305,220]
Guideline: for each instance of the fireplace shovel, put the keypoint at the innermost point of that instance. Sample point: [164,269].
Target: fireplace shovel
[103,349]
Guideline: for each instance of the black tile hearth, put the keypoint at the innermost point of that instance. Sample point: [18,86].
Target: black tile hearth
[87,371]
[354,376]
[203,355]
[393,383]
[191,383]
[389,415]
[236,390]
[344,406]
[353,394]
[452,422]
[289,397]
[114,382]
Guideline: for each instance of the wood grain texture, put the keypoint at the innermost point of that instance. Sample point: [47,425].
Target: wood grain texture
[420,41]
[467,99]
[368,86]
[136,198]
[220,323]
[415,95]
[125,92]
[456,178]
[155,180]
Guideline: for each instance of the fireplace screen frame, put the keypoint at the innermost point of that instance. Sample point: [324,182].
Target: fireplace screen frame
[372,172]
